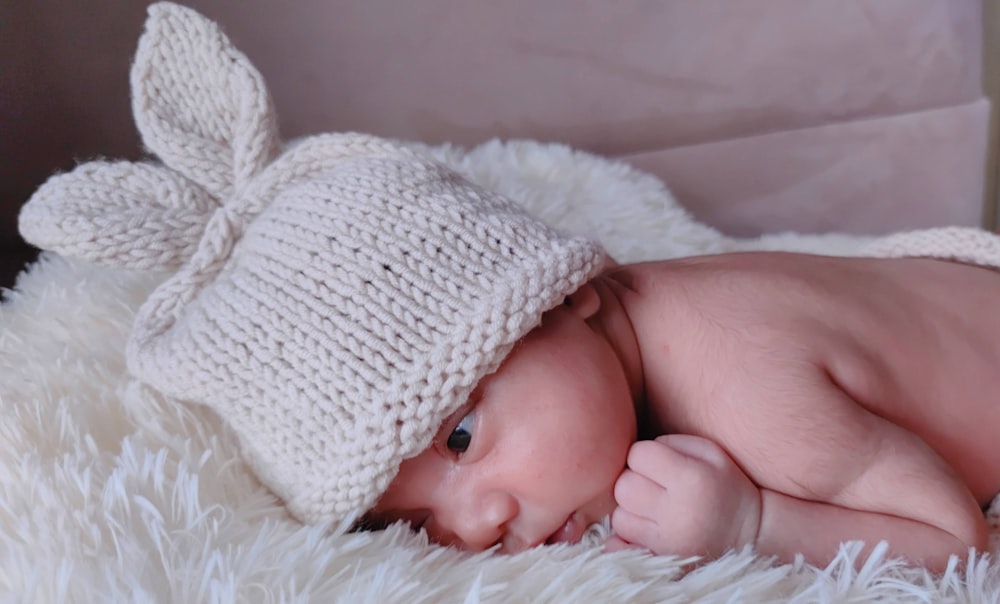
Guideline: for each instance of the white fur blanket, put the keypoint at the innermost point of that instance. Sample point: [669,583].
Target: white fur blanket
[111,493]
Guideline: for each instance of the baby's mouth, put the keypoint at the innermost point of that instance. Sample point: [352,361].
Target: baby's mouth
[597,533]
[571,531]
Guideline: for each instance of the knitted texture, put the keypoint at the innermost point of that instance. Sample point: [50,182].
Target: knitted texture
[333,303]
[961,244]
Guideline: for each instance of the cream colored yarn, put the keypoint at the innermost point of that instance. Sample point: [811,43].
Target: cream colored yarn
[333,303]
[961,244]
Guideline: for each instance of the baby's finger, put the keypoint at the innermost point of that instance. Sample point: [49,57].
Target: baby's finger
[659,462]
[638,494]
[632,527]
[695,447]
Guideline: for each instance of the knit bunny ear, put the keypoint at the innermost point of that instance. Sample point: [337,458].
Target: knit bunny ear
[199,103]
[204,110]
[122,214]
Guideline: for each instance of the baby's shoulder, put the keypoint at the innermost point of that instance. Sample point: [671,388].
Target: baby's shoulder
[716,329]
[736,294]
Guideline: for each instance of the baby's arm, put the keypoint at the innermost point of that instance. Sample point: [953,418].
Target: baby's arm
[832,471]
[791,526]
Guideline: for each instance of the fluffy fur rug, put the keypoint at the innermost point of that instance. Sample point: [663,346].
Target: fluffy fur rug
[111,493]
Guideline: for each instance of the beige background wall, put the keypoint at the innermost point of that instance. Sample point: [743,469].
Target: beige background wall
[991,87]
[737,104]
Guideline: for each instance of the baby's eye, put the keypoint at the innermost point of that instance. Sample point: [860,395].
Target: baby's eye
[461,437]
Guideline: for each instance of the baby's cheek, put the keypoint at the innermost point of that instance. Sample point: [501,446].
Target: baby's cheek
[606,473]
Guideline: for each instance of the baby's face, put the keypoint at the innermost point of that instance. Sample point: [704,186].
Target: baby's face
[532,458]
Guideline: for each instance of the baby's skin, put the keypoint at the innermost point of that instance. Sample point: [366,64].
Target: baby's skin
[786,401]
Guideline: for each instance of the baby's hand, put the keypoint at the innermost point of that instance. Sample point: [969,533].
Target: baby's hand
[683,495]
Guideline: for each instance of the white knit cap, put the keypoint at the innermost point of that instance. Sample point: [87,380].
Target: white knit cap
[333,303]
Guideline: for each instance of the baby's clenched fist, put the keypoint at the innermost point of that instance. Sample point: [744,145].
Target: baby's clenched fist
[683,495]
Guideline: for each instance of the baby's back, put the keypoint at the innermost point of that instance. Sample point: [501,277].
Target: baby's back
[914,341]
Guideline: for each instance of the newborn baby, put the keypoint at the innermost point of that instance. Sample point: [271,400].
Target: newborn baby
[390,341]
[786,401]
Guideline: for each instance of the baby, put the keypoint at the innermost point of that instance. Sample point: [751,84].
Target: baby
[786,401]
[385,337]
[390,342]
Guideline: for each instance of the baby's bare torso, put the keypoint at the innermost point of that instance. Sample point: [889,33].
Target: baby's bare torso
[734,346]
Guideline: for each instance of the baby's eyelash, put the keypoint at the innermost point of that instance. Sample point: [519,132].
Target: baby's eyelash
[441,440]
[369,522]
[460,438]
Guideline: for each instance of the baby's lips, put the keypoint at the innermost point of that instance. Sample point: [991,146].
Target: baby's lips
[597,533]
[576,530]
[571,531]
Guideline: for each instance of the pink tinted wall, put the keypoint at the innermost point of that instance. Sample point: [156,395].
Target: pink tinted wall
[762,115]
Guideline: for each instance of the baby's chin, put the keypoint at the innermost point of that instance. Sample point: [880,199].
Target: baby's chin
[597,533]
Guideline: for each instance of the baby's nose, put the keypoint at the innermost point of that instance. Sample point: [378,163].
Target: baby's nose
[485,523]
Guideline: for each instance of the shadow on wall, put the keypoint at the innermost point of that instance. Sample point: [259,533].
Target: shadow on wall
[59,108]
